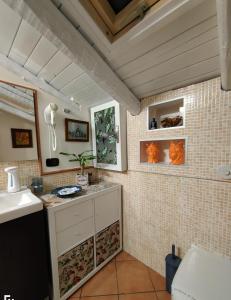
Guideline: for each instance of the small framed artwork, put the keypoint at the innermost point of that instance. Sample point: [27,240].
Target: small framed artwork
[76,131]
[21,138]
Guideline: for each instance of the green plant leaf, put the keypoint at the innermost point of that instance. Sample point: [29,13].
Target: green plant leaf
[82,158]
[64,153]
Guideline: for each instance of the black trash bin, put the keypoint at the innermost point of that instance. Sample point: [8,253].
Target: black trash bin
[172,264]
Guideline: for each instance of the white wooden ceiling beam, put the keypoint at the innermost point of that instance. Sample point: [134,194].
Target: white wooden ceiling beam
[47,19]
[17,69]
[17,112]
[163,13]
[224,34]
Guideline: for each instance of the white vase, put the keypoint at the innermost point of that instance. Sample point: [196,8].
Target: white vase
[82,179]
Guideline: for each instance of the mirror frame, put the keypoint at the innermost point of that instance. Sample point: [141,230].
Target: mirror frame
[37,129]
[36,117]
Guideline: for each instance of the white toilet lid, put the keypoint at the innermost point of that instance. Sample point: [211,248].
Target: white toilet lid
[202,276]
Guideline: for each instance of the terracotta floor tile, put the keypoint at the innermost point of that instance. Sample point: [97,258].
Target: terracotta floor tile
[157,280]
[133,277]
[108,297]
[141,296]
[103,283]
[124,256]
[163,296]
[76,295]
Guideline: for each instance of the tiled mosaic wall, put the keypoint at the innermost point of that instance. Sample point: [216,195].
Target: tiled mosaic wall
[29,169]
[167,204]
[180,204]
[207,126]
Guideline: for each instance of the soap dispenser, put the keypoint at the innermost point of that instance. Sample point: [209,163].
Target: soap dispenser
[13,180]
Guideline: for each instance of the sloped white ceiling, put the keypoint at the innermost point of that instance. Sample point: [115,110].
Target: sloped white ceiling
[21,43]
[183,52]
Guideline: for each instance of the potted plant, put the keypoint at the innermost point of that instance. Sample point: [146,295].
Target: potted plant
[83,159]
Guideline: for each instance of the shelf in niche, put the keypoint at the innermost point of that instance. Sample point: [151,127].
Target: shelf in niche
[157,151]
[170,111]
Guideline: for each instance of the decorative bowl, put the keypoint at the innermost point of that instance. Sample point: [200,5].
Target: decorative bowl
[67,191]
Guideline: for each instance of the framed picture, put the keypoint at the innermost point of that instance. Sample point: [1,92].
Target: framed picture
[76,131]
[21,138]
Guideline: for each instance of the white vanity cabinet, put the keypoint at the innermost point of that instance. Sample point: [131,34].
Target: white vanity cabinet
[85,233]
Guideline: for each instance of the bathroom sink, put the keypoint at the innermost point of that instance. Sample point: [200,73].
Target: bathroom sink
[15,205]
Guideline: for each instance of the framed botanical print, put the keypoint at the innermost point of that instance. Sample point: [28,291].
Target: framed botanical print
[108,124]
[76,131]
[21,138]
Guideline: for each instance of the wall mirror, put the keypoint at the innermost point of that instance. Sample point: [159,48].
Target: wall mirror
[18,130]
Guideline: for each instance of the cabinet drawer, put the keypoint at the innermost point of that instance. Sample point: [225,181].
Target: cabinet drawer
[74,234]
[73,215]
[107,242]
[107,209]
[75,265]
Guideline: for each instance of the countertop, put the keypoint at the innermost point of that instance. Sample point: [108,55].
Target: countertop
[50,200]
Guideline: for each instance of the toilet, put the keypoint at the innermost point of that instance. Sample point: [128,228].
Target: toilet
[202,276]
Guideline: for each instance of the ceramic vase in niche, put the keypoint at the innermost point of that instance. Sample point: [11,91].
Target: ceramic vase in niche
[153,124]
[153,153]
[177,152]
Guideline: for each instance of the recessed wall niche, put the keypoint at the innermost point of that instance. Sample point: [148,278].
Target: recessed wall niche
[171,151]
[166,115]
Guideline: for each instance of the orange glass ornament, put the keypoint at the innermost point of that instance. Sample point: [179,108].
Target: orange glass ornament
[153,153]
[177,152]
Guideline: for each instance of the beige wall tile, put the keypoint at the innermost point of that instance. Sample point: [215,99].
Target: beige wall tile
[29,169]
[179,204]
[171,204]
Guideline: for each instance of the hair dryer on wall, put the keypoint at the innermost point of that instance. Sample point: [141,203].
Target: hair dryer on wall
[49,116]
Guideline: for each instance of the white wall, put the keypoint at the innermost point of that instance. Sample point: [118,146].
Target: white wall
[62,145]
[7,152]
[43,100]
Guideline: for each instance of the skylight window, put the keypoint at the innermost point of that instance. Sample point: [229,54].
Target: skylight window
[115,17]
[117,6]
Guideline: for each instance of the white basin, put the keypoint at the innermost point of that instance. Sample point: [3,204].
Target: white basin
[15,205]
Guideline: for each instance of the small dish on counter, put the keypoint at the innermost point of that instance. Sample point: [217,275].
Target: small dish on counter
[67,191]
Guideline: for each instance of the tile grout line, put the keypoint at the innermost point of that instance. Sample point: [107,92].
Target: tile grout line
[133,293]
[118,294]
[117,278]
[103,295]
[121,294]
[96,296]
[149,275]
